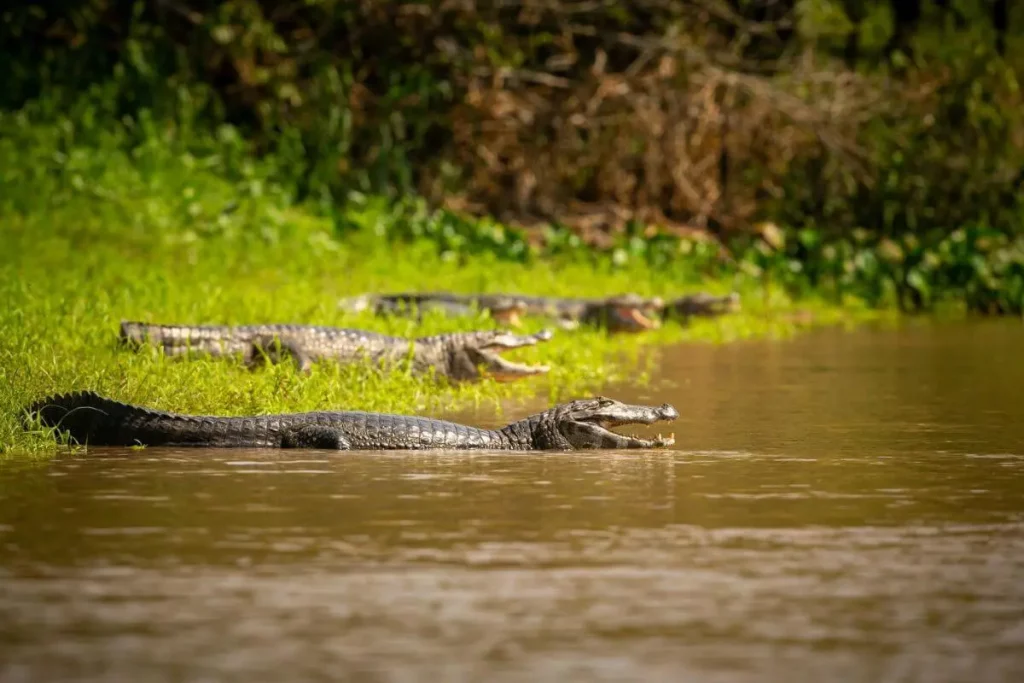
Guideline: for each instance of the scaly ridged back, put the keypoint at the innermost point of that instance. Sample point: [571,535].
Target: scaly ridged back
[169,335]
[93,419]
[315,341]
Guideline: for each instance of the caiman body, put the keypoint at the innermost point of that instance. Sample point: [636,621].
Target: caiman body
[702,305]
[91,419]
[619,313]
[462,356]
[506,311]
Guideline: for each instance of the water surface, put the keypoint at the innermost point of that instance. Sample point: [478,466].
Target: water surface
[842,507]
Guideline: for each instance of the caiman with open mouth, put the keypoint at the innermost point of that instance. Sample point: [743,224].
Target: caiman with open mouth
[504,310]
[702,305]
[93,420]
[458,357]
[618,313]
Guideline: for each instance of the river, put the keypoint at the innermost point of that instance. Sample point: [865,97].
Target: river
[843,506]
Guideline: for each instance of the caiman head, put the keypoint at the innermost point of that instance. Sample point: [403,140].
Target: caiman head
[587,423]
[624,313]
[473,355]
[704,304]
[504,310]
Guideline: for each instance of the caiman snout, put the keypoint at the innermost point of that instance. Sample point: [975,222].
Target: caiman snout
[666,412]
[507,312]
[628,313]
[507,340]
[480,356]
[588,423]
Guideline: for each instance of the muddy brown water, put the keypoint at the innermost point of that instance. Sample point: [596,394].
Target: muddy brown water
[840,507]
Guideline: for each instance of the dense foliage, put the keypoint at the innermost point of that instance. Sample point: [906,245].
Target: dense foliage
[888,146]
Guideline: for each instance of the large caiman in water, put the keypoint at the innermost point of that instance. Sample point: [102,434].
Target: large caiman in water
[93,420]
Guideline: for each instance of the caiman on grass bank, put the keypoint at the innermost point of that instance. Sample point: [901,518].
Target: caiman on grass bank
[91,419]
[457,357]
[506,311]
[619,313]
[702,305]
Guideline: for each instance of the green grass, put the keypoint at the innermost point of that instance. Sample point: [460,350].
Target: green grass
[88,238]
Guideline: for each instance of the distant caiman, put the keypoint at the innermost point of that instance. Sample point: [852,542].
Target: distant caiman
[622,312]
[502,309]
[701,305]
[459,357]
[91,419]
[619,313]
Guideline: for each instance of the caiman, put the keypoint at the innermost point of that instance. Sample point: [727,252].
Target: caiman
[458,357]
[504,310]
[619,313]
[702,304]
[94,420]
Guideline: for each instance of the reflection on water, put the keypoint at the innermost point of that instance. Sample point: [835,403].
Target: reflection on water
[838,507]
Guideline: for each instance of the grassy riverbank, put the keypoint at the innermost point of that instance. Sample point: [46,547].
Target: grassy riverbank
[66,293]
[93,237]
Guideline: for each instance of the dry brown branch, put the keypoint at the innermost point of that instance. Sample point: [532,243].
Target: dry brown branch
[666,138]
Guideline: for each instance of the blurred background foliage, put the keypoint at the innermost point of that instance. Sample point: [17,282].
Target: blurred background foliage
[865,147]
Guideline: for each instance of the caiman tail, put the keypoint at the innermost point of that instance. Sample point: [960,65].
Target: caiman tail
[89,418]
[177,340]
[135,333]
[85,415]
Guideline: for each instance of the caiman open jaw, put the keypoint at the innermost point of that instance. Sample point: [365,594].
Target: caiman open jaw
[587,423]
[508,313]
[631,319]
[632,313]
[487,356]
